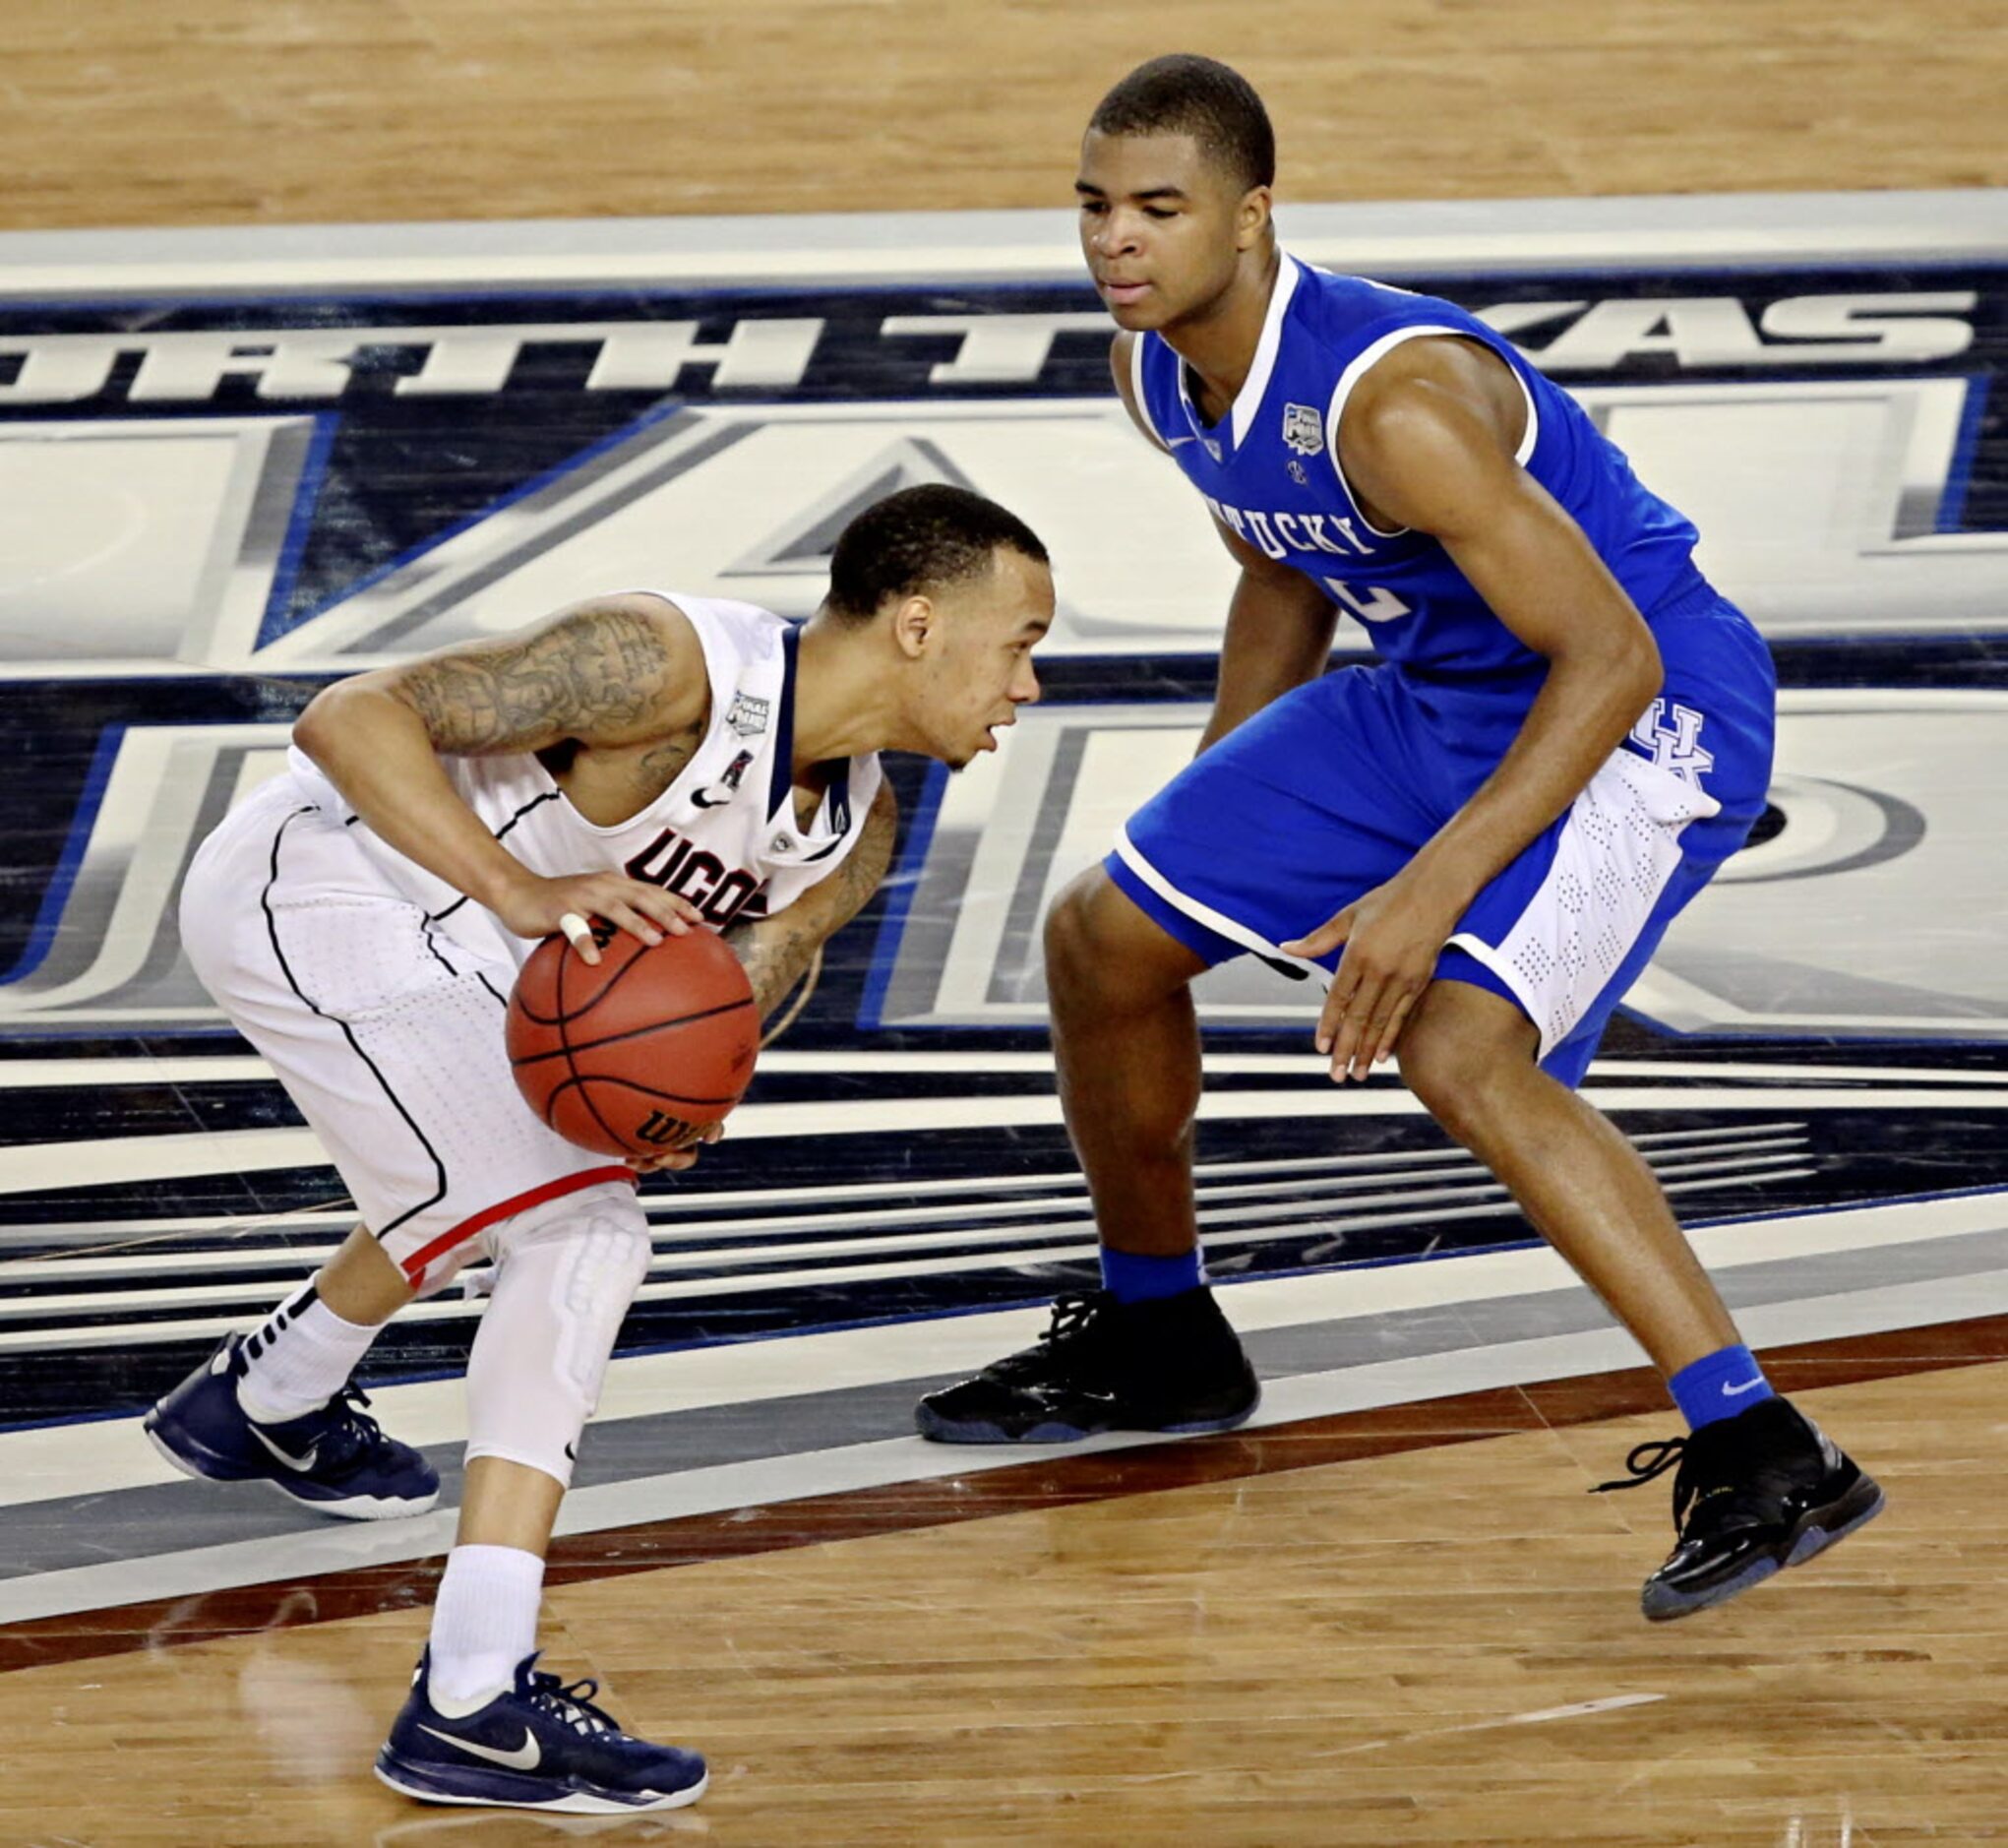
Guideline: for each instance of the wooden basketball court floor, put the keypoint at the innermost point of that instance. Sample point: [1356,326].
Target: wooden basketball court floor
[1386,1612]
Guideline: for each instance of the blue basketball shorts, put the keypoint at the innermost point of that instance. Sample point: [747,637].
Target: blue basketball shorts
[1330,790]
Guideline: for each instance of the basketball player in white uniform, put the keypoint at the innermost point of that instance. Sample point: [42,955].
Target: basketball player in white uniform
[666,762]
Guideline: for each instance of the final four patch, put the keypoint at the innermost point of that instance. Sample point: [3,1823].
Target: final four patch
[747,715]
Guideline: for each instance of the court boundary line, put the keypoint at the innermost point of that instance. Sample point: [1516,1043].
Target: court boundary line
[1137,1468]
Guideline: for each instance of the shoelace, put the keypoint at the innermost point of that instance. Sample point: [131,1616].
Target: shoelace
[1648,1461]
[1072,1312]
[1660,1456]
[572,1704]
[353,1431]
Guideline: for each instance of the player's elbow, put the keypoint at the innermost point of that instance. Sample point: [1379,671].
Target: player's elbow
[318,726]
[333,720]
[1639,670]
[1619,663]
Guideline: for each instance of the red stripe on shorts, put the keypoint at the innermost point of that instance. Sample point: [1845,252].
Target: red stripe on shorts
[415,1267]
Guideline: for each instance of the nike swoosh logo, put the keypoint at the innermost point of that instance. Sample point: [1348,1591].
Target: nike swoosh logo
[1737,1391]
[1172,442]
[301,1463]
[525,1757]
[699,800]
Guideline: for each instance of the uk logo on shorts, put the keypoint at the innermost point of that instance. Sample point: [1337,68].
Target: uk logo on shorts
[1303,429]
[1675,747]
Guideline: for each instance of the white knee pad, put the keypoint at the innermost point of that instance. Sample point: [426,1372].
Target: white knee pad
[564,1275]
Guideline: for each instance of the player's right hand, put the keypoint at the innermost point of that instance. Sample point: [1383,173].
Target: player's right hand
[682,1155]
[533,907]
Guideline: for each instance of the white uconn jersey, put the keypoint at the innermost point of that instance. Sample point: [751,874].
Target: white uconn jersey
[725,835]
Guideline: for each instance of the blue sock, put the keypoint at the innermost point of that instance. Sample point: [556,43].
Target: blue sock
[1129,1279]
[1718,1386]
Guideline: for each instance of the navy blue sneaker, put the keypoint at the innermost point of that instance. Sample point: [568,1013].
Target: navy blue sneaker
[335,1458]
[536,1746]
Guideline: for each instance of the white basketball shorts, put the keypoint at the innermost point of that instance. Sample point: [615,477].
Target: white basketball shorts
[384,1028]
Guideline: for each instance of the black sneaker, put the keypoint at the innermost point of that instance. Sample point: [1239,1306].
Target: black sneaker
[1169,1365]
[1755,1493]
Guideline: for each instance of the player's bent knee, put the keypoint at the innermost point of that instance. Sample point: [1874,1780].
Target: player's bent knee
[1460,1052]
[1069,929]
[1100,945]
[566,1273]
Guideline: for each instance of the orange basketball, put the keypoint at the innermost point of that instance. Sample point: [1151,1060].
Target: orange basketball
[629,1057]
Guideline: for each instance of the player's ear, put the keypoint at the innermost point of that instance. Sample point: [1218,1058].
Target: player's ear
[1251,220]
[915,621]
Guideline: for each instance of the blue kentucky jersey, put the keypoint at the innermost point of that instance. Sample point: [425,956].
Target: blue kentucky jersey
[1269,470]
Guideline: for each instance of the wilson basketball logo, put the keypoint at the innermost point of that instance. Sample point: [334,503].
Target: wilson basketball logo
[663,1130]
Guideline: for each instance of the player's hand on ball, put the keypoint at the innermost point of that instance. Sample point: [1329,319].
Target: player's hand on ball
[1391,937]
[539,907]
[682,1157]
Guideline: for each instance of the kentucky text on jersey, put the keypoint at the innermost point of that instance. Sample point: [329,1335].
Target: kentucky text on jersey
[1269,471]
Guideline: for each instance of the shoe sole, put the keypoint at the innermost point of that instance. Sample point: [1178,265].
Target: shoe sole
[939,1430]
[353,1508]
[450,1784]
[1815,1534]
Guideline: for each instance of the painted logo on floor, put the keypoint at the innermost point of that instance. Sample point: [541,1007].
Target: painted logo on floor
[209,507]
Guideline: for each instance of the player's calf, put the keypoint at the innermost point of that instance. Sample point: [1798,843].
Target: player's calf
[335,1458]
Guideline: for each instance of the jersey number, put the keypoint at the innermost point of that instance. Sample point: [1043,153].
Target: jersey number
[1382,606]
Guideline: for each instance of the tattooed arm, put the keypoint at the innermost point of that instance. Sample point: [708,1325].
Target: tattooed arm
[776,949]
[619,671]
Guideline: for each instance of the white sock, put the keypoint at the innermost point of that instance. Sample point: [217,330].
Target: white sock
[484,1624]
[299,1359]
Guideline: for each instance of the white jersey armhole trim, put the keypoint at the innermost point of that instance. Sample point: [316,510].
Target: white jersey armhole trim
[708,617]
[1369,356]
[708,620]
[1139,403]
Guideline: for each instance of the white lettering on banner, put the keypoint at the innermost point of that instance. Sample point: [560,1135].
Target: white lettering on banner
[994,349]
[775,354]
[1884,327]
[650,355]
[59,370]
[177,367]
[1716,331]
[319,363]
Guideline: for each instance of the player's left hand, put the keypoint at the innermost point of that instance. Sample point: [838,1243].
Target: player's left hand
[1392,937]
[684,1155]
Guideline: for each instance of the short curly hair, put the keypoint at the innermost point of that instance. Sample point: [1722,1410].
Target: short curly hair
[918,540]
[1186,95]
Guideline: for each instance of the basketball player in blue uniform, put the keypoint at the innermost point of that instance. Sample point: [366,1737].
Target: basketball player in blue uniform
[1483,837]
